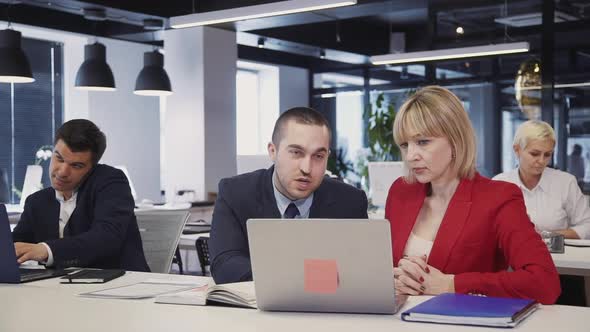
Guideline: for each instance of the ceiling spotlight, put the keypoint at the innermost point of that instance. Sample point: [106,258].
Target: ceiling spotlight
[95,74]
[459,30]
[260,42]
[255,11]
[153,79]
[322,54]
[14,64]
[450,53]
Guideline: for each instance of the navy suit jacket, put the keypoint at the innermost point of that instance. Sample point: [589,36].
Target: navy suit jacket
[102,231]
[251,195]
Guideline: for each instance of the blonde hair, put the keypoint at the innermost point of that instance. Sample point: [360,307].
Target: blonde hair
[531,130]
[436,112]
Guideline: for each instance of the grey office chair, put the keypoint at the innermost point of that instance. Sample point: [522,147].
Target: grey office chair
[160,232]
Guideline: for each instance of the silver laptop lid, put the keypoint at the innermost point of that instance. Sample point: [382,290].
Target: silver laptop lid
[323,265]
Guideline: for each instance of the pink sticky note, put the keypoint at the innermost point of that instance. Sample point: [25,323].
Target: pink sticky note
[321,276]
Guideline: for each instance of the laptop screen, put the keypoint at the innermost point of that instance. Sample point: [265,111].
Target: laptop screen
[8,266]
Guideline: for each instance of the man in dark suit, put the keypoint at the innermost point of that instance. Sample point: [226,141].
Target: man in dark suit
[86,217]
[295,187]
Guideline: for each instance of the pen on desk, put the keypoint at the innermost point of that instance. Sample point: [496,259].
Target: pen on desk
[69,276]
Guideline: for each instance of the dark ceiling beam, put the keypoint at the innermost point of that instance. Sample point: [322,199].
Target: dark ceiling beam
[288,59]
[112,14]
[371,39]
[443,6]
[513,33]
[64,21]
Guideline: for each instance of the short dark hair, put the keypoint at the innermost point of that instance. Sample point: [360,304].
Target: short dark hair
[83,135]
[301,115]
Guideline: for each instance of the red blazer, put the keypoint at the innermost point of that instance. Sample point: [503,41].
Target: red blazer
[484,231]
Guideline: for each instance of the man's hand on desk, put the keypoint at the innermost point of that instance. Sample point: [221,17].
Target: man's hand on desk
[30,251]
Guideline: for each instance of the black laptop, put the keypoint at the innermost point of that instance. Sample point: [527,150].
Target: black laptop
[9,268]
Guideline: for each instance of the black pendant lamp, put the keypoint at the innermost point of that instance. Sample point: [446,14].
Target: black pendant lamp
[94,73]
[14,65]
[153,79]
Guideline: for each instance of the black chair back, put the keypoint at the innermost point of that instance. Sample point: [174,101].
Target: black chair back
[202,245]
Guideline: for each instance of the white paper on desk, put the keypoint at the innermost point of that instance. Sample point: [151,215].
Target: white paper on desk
[146,289]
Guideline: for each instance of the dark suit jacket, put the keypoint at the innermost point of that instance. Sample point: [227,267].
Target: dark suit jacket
[484,231]
[251,195]
[102,231]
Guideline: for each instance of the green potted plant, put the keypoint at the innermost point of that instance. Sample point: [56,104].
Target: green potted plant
[379,118]
[338,164]
[379,127]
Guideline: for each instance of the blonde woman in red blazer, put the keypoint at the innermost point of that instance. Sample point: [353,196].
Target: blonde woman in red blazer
[454,230]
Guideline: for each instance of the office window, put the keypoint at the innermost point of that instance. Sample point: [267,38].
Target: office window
[30,113]
[257,106]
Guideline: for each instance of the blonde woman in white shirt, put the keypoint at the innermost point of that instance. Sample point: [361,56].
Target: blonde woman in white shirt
[553,199]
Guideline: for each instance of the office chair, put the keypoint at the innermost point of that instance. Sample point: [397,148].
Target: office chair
[177,259]
[202,245]
[160,233]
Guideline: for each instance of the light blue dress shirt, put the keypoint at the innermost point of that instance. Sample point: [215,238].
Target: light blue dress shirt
[303,205]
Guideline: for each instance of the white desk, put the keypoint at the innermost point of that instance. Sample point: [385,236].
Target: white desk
[575,261]
[49,306]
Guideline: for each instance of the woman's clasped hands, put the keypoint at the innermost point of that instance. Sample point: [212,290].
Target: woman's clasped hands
[413,276]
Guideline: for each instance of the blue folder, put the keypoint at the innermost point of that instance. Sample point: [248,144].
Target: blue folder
[451,308]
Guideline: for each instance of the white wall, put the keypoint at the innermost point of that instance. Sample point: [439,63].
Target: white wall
[185,114]
[200,141]
[293,87]
[219,68]
[130,122]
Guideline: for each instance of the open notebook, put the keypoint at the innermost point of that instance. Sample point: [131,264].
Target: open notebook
[239,294]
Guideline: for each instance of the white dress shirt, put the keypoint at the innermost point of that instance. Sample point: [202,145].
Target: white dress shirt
[66,208]
[556,202]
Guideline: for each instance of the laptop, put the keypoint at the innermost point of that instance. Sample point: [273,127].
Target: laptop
[323,265]
[9,268]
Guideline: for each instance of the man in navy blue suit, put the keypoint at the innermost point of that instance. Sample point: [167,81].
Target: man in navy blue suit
[295,187]
[86,217]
